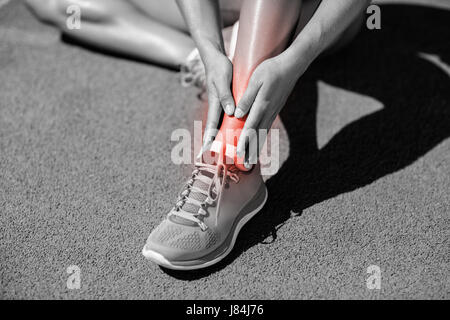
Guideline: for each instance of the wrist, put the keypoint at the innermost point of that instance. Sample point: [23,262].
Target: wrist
[209,48]
[304,50]
[211,55]
[294,63]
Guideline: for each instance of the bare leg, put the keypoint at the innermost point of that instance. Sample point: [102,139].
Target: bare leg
[150,30]
[265,28]
[119,26]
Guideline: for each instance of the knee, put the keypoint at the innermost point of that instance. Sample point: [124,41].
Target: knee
[45,10]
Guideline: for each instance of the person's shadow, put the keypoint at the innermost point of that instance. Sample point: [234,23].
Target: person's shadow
[384,64]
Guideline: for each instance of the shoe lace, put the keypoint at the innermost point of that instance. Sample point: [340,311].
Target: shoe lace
[210,188]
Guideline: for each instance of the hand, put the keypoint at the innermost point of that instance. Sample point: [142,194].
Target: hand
[269,87]
[219,74]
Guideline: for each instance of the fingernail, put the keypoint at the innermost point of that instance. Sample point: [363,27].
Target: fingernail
[238,113]
[229,109]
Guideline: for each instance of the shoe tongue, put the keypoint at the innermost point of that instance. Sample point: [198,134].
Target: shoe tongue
[200,183]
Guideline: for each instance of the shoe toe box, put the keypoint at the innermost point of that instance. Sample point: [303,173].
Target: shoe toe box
[179,243]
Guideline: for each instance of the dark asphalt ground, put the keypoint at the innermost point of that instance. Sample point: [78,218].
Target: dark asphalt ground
[85,171]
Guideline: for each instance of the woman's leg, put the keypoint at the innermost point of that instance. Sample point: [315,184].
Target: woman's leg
[265,28]
[121,27]
[150,30]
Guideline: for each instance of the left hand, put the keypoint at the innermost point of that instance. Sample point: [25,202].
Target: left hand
[269,87]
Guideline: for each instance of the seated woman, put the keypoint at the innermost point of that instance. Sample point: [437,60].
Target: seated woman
[249,77]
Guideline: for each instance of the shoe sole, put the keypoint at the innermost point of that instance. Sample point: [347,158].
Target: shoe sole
[162,261]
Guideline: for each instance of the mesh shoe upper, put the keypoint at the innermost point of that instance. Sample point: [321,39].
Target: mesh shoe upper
[205,213]
[178,236]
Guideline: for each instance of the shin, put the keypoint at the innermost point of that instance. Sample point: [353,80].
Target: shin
[265,28]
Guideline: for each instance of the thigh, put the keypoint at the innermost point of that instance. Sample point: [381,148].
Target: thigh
[163,11]
[168,13]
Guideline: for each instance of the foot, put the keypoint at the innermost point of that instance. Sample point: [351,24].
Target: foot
[193,71]
[211,210]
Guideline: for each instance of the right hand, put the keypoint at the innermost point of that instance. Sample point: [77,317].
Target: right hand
[219,74]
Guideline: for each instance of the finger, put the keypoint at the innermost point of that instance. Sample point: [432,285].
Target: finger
[223,88]
[263,131]
[256,142]
[214,113]
[247,99]
[254,118]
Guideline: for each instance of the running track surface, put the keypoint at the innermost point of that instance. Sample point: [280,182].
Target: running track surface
[85,171]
